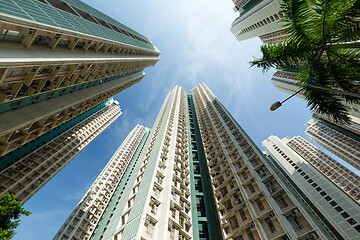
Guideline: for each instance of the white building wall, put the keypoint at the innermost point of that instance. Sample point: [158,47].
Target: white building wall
[341,211]
[261,19]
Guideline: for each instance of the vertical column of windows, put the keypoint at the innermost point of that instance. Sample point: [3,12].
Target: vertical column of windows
[85,217]
[234,165]
[180,207]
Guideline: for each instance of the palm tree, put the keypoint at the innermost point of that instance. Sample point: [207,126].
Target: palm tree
[324,44]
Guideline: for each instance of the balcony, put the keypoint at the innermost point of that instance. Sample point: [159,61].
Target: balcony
[272,227]
[248,180]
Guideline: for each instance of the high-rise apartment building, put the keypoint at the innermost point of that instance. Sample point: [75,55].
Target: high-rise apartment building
[338,140]
[253,201]
[338,174]
[59,58]
[199,176]
[83,220]
[61,61]
[24,174]
[337,207]
[258,18]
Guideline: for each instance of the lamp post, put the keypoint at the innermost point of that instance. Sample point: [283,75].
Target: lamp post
[278,104]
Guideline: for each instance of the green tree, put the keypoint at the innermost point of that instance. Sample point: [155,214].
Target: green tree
[324,45]
[10,211]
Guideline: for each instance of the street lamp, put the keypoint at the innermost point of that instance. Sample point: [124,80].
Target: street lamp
[278,104]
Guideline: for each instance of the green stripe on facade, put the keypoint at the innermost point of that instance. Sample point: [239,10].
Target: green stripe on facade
[208,225]
[23,102]
[120,197]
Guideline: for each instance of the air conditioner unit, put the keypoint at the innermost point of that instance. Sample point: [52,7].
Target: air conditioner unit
[271,215]
[252,225]
[31,31]
[295,212]
[312,236]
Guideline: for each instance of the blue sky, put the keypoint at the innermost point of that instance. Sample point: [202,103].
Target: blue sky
[196,47]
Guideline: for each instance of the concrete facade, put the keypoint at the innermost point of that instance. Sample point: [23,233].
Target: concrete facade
[341,143]
[336,206]
[338,174]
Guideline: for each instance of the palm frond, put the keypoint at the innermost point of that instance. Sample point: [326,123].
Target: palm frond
[295,15]
[288,53]
[347,25]
[325,102]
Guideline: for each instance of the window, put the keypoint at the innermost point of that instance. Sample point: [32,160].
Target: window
[270,225]
[239,165]
[245,176]
[295,223]
[233,223]
[250,234]
[173,212]
[153,208]
[172,233]
[251,188]
[262,173]
[339,209]
[242,215]
[351,221]
[150,228]
[260,204]
[281,201]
